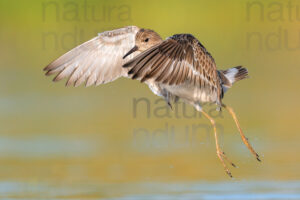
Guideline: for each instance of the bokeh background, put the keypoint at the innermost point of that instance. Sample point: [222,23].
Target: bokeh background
[100,142]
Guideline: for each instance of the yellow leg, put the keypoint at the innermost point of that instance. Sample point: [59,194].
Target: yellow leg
[245,140]
[220,153]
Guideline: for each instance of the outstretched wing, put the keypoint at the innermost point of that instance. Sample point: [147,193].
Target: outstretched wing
[177,60]
[96,61]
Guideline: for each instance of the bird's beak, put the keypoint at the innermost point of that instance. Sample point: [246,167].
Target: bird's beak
[135,48]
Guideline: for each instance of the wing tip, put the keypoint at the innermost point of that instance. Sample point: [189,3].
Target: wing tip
[47,68]
[55,80]
[48,73]
[50,66]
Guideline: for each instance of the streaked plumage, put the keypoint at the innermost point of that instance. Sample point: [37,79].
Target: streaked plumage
[176,68]
[182,66]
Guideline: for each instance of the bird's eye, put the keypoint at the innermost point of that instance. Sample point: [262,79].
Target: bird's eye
[146,40]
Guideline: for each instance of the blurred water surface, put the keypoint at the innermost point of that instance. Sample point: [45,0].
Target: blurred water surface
[231,190]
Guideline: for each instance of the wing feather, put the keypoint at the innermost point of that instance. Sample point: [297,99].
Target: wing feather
[96,61]
[177,60]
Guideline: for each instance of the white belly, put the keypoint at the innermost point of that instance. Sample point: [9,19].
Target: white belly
[155,88]
[191,93]
[186,92]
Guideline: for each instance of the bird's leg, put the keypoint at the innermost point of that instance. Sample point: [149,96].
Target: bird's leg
[221,155]
[167,98]
[176,99]
[170,105]
[245,140]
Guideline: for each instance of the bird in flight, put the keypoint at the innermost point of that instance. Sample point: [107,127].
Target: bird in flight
[178,67]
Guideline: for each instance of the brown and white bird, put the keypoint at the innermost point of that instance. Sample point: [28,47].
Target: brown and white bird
[178,67]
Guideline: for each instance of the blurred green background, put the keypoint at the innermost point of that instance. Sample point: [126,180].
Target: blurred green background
[50,133]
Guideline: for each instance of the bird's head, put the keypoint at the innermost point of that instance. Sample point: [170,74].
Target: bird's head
[144,39]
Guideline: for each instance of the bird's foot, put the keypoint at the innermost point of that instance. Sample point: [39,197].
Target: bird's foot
[221,155]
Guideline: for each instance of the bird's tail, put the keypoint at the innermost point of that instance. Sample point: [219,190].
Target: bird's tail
[232,75]
[235,74]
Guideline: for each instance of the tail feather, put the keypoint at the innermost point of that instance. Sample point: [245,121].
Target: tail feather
[235,74]
[232,75]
